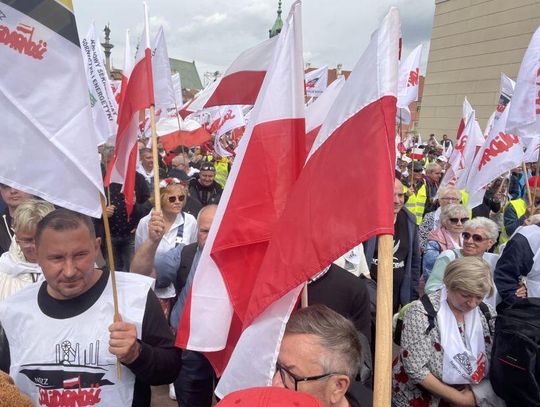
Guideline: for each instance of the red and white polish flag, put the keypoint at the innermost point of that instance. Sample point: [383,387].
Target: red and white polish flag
[316,112]
[138,95]
[241,83]
[312,232]
[269,158]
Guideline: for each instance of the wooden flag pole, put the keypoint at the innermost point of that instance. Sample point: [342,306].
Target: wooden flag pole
[524,166]
[112,270]
[382,396]
[157,202]
[178,121]
[536,181]
[304,299]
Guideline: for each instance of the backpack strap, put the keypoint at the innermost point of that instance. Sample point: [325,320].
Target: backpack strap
[487,315]
[431,314]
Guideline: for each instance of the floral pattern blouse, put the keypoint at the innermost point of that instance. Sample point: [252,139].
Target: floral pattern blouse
[422,354]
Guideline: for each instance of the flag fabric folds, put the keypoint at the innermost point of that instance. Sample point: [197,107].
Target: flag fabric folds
[269,157]
[524,116]
[316,112]
[500,153]
[102,100]
[49,145]
[138,95]
[408,84]
[312,231]
[242,81]
[316,81]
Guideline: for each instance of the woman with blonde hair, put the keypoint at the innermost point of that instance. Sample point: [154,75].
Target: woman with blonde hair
[18,266]
[445,358]
[181,228]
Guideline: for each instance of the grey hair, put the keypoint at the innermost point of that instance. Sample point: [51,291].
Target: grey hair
[432,166]
[452,211]
[491,228]
[443,191]
[471,275]
[534,219]
[336,335]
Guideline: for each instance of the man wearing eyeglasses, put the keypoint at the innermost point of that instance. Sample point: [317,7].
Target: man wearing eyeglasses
[320,355]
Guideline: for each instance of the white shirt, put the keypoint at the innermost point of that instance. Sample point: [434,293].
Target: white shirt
[169,240]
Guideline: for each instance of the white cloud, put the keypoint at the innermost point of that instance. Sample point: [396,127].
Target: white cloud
[214,32]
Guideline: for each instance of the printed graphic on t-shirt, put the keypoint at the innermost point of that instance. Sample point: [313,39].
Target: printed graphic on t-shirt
[75,379]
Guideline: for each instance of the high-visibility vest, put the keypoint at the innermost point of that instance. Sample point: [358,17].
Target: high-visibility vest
[417,203]
[222,172]
[520,206]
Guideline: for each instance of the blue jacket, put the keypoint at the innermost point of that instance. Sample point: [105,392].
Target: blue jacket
[409,287]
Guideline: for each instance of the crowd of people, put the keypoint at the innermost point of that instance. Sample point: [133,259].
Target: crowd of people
[456,271]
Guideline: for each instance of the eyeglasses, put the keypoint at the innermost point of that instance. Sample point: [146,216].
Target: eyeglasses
[288,377]
[26,243]
[455,221]
[475,237]
[174,198]
[450,199]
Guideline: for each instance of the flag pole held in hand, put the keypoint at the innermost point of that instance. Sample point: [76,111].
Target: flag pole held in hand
[112,270]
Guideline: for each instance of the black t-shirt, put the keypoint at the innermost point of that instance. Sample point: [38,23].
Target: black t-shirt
[400,252]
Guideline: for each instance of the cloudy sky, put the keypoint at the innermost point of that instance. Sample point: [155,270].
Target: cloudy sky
[214,32]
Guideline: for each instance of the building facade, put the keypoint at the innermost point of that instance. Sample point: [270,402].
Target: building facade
[472,43]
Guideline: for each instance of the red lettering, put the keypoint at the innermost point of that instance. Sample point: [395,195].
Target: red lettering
[413,78]
[500,144]
[70,398]
[16,40]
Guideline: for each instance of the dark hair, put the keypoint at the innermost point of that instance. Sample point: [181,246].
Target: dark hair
[64,219]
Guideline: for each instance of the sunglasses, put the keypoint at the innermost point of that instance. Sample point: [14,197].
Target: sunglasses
[455,221]
[174,198]
[476,238]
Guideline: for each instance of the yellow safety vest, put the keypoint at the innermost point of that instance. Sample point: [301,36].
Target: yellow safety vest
[520,206]
[222,172]
[417,202]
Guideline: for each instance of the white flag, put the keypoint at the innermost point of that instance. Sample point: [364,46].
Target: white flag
[164,93]
[177,86]
[500,153]
[507,86]
[49,145]
[532,149]
[316,81]
[102,101]
[409,78]
[226,118]
[524,116]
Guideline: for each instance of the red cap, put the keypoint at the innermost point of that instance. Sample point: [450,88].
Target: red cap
[534,181]
[269,397]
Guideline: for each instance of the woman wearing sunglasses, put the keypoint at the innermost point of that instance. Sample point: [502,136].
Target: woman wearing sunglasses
[181,228]
[479,234]
[445,237]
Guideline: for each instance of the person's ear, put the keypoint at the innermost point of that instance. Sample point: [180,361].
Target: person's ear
[340,385]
